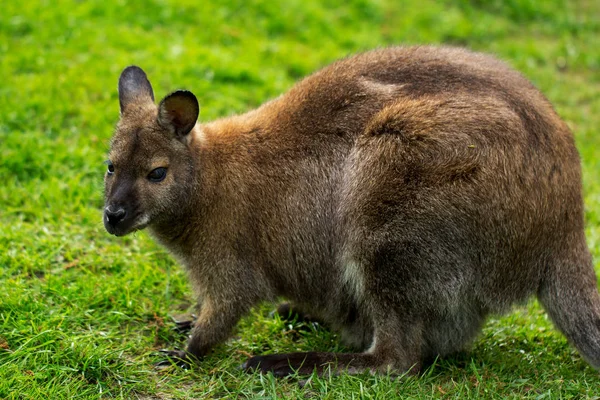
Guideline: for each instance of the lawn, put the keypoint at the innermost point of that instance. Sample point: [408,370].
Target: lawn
[83,313]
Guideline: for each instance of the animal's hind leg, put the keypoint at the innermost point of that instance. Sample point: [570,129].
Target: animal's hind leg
[569,294]
[397,333]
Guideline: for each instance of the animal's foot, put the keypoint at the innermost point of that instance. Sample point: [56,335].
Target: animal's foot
[278,364]
[281,365]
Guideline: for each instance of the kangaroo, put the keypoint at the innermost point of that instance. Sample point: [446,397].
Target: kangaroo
[400,195]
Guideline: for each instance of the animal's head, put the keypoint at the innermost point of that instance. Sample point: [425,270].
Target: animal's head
[150,167]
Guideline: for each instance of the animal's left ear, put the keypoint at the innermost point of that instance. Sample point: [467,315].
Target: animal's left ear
[134,87]
[178,112]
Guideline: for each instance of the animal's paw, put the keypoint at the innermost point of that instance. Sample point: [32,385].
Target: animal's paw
[185,326]
[177,358]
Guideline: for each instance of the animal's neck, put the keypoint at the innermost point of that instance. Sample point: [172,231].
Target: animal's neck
[174,231]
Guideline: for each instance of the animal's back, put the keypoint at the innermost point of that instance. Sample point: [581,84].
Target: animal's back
[343,96]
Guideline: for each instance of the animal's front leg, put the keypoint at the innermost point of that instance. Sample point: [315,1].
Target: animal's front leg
[213,325]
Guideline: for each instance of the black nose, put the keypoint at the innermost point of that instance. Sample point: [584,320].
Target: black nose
[114,216]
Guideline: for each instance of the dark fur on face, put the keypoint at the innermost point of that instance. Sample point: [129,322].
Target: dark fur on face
[400,195]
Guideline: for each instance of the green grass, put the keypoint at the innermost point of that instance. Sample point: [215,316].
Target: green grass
[82,313]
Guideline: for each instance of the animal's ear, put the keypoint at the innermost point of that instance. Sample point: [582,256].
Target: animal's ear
[178,112]
[134,87]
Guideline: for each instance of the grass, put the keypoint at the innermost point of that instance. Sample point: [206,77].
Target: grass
[82,313]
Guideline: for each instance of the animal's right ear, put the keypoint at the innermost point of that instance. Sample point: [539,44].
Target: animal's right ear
[134,87]
[178,112]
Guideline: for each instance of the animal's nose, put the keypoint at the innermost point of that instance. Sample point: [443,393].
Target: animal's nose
[114,216]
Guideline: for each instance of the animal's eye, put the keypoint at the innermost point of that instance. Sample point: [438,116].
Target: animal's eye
[157,175]
[111,168]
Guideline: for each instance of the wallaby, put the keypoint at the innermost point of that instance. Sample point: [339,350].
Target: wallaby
[400,195]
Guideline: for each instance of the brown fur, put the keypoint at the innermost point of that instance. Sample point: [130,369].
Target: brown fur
[400,195]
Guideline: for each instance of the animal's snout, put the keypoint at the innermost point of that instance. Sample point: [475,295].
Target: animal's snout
[114,215]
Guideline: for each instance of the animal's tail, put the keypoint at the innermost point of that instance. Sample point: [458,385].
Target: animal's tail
[570,295]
